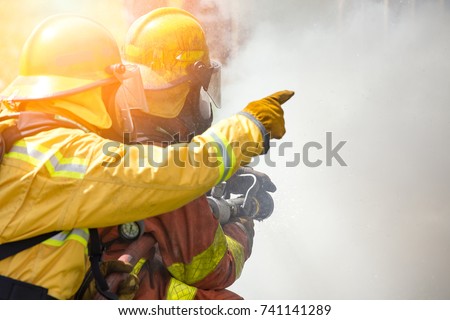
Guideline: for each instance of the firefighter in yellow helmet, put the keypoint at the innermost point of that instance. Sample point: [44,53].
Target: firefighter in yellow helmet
[59,177]
[169,46]
[197,256]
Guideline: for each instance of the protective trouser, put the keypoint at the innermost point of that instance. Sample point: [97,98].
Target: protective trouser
[12,289]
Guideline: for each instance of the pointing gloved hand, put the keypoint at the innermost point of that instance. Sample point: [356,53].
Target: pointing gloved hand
[268,111]
[126,289]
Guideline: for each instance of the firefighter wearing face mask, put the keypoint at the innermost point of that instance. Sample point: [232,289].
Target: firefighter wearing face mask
[185,253]
[59,177]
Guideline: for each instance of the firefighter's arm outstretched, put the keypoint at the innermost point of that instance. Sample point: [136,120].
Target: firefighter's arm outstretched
[147,181]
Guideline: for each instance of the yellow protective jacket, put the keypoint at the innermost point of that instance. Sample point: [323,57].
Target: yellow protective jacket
[71,180]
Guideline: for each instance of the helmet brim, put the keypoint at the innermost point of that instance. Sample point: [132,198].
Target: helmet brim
[25,88]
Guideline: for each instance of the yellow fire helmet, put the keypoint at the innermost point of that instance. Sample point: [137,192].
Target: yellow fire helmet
[169,45]
[66,58]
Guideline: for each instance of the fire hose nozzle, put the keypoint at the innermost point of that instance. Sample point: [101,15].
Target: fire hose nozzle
[245,194]
[259,207]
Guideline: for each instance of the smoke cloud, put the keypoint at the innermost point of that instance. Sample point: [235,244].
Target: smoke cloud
[376,76]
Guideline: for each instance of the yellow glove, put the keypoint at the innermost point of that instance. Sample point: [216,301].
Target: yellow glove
[120,279]
[268,111]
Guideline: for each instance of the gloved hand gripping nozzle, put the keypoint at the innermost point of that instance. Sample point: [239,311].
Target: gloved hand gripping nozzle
[245,194]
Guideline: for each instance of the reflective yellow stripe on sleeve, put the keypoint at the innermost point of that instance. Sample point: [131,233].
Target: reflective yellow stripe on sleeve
[79,235]
[56,164]
[178,290]
[225,152]
[202,264]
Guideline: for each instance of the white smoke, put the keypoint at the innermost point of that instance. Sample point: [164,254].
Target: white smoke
[377,78]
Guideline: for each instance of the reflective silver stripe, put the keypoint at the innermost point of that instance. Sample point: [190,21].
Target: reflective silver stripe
[264,133]
[79,235]
[32,152]
[55,162]
[226,153]
[72,167]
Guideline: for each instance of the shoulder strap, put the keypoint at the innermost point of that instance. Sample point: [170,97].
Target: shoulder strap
[30,123]
[95,256]
[95,249]
[95,252]
[11,248]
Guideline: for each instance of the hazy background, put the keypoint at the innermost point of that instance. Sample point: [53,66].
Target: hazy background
[377,75]
[374,73]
